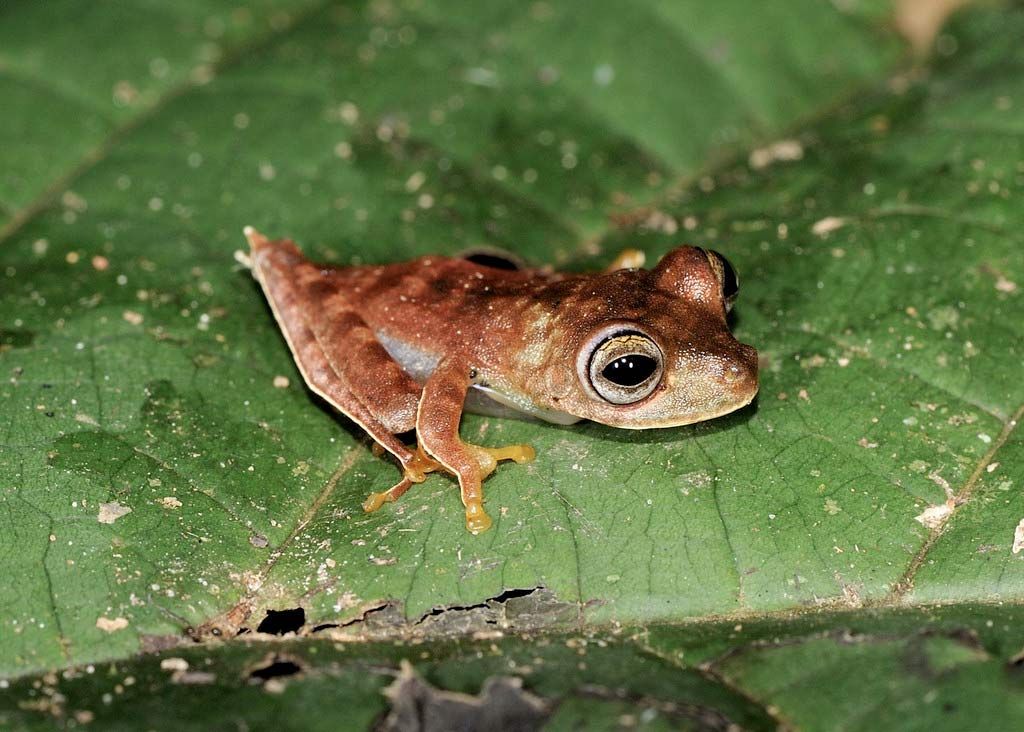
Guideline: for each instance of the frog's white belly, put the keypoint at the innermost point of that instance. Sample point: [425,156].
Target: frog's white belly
[481,399]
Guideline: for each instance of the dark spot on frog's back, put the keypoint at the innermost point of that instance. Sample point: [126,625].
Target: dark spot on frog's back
[322,288]
[550,300]
[442,285]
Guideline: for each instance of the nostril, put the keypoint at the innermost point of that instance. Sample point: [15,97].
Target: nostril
[724,370]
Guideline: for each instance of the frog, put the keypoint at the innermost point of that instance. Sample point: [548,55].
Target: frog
[405,348]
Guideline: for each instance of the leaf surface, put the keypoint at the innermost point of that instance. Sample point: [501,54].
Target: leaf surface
[164,469]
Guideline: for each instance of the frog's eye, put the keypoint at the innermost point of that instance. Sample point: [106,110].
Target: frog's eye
[726,276]
[625,368]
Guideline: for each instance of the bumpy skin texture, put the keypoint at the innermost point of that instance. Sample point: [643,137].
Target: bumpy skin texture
[396,348]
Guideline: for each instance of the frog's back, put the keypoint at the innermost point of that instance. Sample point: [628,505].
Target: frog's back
[432,288]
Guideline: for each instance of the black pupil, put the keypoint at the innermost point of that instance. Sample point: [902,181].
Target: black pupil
[631,370]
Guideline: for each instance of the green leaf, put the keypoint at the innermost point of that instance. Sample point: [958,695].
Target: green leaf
[157,481]
[848,670]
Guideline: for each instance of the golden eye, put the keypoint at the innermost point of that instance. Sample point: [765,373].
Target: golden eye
[625,368]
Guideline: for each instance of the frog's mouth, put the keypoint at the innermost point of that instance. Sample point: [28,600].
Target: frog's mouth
[482,399]
[486,400]
[720,410]
[659,412]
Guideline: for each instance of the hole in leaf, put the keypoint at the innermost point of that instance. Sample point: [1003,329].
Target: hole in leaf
[275,669]
[368,615]
[279,622]
[501,599]
[513,594]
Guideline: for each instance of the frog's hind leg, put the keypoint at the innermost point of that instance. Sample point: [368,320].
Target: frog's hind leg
[437,426]
[335,354]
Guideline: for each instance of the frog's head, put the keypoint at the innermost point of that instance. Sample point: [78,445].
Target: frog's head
[657,351]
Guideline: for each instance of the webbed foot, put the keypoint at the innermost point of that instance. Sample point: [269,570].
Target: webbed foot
[417,468]
[414,471]
[392,494]
[477,520]
[489,457]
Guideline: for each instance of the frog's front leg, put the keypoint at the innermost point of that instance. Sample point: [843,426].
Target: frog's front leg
[437,427]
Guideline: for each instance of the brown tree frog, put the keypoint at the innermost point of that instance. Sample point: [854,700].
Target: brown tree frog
[407,347]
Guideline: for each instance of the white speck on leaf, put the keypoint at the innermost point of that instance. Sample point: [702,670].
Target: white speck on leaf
[604,75]
[946,317]
[1018,538]
[824,227]
[111,512]
[343,150]
[349,113]
[934,516]
[783,150]
[415,181]
[174,664]
[479,76]
[110,625]
[1005,285]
